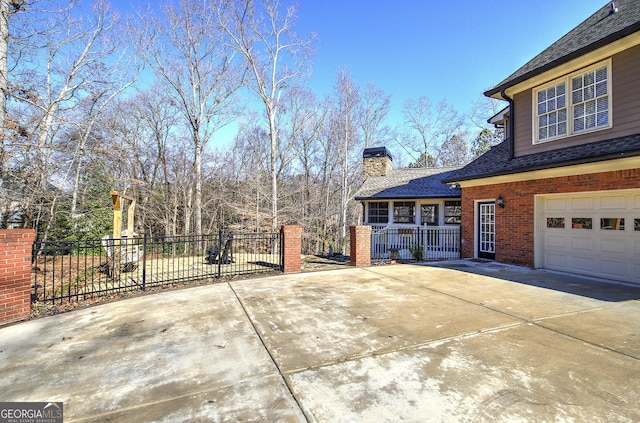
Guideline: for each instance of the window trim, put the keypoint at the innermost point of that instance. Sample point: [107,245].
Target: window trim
[569,105]
[452,215]
[412,216]
[378,203]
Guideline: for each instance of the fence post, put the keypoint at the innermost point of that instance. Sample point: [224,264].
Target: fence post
[16,246]
[291,248]
[360,244]
[219,257]
[144,261]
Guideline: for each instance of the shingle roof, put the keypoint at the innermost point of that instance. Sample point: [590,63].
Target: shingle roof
[600,29]
[409,183]
[496,161]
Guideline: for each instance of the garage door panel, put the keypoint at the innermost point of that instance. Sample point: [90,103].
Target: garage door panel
[557,241]
[582,203]
[583,264]
[615,246]
[613,202]
[613,268]
[601,236]
[582,243]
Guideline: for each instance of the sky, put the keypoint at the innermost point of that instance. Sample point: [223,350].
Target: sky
[451,50]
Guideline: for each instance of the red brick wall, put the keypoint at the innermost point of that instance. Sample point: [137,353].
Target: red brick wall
[291,248]
[514,222]
[15,274]
[360,244]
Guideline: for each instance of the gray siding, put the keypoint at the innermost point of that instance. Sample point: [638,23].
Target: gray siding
[625,81]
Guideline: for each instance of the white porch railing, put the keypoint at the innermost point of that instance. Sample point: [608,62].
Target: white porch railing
[415,242]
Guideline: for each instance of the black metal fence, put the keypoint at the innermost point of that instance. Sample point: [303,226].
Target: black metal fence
[415,243]
[67,271]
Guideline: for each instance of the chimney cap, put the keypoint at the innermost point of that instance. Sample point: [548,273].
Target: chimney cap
[376,152]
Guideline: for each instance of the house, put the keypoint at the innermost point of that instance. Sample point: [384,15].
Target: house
[412,213]
[562,191]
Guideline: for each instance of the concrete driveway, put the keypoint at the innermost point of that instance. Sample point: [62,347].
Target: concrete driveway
[459,341]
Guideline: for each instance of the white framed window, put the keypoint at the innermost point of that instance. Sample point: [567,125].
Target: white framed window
[577,103]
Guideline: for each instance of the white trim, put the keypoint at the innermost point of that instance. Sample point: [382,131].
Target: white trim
[476,219]
[569,105]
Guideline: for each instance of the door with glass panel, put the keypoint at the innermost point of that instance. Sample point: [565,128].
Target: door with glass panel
[487,230]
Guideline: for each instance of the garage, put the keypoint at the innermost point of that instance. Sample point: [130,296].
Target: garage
[594,234]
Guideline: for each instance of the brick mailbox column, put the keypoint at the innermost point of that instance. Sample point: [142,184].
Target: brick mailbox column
[15,274]
[291,248]
[360,244]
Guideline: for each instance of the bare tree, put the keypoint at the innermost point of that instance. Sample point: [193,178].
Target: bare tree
[348,99]
[375,108]
[428,129]
[262,33]
[195,66]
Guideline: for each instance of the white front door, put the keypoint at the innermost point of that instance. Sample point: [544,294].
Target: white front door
[487,230]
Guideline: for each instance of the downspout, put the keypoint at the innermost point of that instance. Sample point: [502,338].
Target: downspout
[511,123]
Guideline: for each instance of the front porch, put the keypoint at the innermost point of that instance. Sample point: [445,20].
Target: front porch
[402,242]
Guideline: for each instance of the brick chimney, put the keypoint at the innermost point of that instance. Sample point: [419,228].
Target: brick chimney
[376,162]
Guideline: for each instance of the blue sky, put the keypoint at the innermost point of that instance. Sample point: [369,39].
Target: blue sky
[449,50]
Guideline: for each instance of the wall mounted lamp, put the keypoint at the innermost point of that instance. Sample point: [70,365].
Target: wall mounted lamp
[500,201]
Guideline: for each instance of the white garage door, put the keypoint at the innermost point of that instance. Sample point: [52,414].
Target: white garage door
[595,234]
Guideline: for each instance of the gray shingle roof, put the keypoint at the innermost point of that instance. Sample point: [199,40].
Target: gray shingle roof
[496,161]
[600,29]
[409,183]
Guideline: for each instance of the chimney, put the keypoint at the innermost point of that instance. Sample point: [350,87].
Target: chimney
[376,162]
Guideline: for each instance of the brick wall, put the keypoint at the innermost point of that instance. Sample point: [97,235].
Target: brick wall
[514,222]
[291,248]
[360,243]
[15,274]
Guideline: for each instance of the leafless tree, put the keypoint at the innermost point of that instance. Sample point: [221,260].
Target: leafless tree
[262,32]
[195,65]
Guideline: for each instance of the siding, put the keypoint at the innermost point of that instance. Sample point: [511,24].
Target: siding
[625,81]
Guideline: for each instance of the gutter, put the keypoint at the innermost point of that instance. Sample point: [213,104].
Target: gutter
[511,123]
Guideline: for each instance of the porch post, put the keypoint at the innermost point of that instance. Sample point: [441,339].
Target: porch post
[360,244]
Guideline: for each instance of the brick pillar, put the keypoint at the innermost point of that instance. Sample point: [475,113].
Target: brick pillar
[360,244]
[291,248]
[15,274]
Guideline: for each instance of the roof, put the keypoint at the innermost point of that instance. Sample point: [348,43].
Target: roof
[602,28]
[422,182]
[496,161]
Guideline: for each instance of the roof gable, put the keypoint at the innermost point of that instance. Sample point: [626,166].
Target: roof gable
[602,28]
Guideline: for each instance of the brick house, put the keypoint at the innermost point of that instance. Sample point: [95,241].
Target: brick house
[562,191]
[411,211]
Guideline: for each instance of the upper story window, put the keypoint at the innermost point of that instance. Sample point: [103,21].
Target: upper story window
[574,104]
[378,213]
[404,212]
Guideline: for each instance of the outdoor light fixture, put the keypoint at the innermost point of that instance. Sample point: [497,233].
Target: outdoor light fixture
[500,201]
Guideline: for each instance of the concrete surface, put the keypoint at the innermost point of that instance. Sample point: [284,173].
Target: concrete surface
[454,341]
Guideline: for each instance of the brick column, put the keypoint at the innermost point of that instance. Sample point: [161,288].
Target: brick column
[360,244]
[15,274]
[291,248]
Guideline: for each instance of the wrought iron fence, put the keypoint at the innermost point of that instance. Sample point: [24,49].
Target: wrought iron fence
[78,270]
[415,243]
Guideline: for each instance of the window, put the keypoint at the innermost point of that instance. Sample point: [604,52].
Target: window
[429,215]
[378,213]
[586,108]
[581,223]
[404,212]
[612,223]
[555,222]
[453,212]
